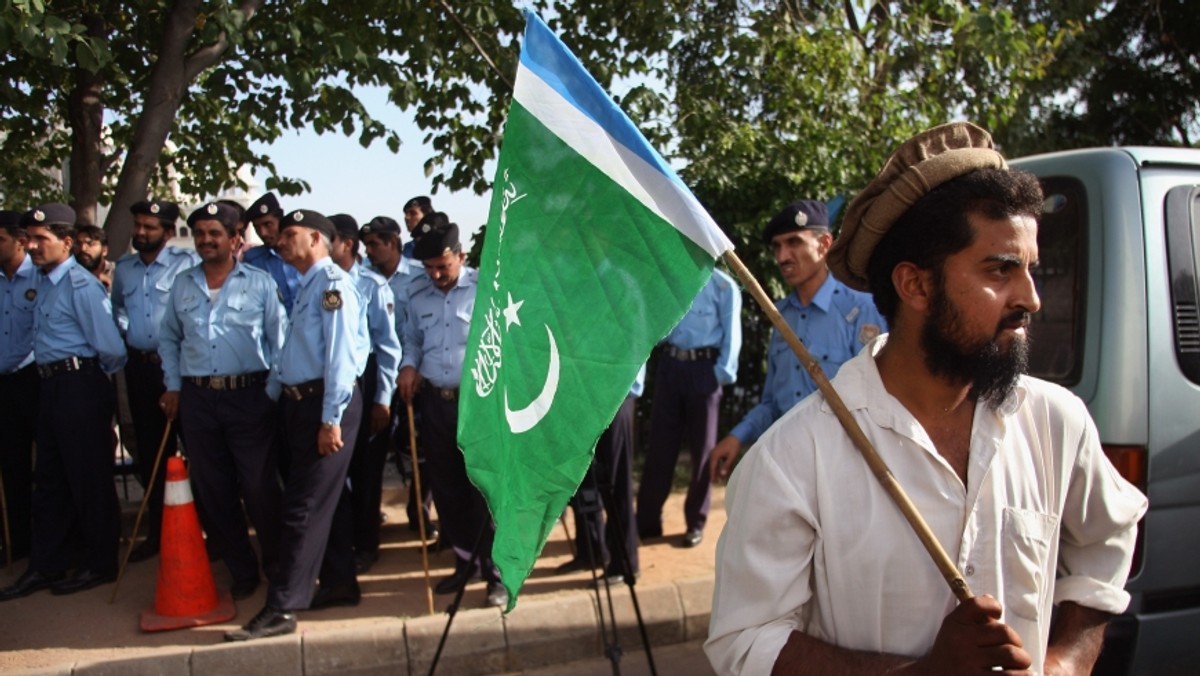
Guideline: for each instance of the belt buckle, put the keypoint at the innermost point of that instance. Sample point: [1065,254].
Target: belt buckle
[446,393]
[216,383]
[292,391]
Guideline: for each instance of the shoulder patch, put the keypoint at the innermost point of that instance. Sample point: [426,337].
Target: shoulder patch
[331,300]
[867,333]
[334,272]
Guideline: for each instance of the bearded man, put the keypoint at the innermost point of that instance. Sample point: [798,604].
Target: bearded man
[817,571]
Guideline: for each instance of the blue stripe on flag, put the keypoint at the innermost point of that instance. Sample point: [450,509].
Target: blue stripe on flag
[544,54]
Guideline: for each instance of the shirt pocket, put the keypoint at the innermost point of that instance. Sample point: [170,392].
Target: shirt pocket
[192,312]
[1028,535]
[244,311]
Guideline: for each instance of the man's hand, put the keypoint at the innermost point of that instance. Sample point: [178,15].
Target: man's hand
[329,440]
[408,381]
[722,458]
[169,402]
[381,418]
[973,640]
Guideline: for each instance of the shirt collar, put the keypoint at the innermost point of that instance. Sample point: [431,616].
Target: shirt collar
[25,269]
[317,267]
[822,300]
[61,270]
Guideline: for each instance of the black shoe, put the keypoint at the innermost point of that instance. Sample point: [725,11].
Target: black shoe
[497,595]
[649,532]
[364,560]
[436,544]
[147,550]
[347,594]
[243,589]
[449,585]
[29,583]
[572,566]
[693,537]
[614,578]
[84,579]
[268,622]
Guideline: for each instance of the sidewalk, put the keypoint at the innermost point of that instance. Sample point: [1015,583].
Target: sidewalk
[554,625]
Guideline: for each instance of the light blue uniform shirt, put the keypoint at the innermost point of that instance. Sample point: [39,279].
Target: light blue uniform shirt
[239,333]
[834,327]
[18,295]
[73,318]
[286,276]
[323,340]
[639,383]
[380,306]
[714,320]
[399,283]
[139,293]
[435,332]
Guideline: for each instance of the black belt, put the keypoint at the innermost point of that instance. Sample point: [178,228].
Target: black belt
[237,382]
[67,365]
[28,368]
[444,393]
[304,390]
[143,356]
[691,355]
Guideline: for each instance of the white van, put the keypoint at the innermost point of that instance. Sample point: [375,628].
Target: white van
[1119,279]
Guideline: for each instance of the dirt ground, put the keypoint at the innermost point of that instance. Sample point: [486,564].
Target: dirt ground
[43,630]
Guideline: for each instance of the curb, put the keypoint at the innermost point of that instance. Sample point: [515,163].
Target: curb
[542,631]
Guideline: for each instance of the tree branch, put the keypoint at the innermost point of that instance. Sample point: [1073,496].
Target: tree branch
[208,55]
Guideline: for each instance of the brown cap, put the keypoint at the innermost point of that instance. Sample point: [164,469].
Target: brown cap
[919,165]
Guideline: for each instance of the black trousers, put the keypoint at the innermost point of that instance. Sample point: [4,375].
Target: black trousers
[316,505]
[18,420]
[461,509]
[608,486]
[144,387]
[366,468]
[230,437]
[76,516]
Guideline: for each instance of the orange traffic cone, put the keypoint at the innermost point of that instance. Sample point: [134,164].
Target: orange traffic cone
[187,595]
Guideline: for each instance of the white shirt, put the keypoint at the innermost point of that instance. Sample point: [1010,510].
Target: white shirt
[814,544]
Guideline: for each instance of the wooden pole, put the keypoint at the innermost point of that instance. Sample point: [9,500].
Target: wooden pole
[879,468]
[137,523]
[412,448]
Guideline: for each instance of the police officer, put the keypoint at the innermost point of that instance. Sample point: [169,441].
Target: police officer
[435,343]
[18,379]
[265,213]
[415,209]
[320,409]
[381,240]
[378,385]
[141,282]
[222,327]
[699,357]
[76,517]
[833,321]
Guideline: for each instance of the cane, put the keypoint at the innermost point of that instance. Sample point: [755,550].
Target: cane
[137,523]
[412,448]
[7,534]
[879,468]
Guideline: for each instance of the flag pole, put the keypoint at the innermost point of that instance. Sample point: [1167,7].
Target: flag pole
[416,486]
[879,468]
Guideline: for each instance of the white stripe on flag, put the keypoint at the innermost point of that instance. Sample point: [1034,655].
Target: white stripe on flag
[669,199]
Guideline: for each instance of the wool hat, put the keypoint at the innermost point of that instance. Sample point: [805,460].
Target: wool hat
[800,215]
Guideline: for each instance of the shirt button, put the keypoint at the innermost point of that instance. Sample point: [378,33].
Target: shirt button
[970,570]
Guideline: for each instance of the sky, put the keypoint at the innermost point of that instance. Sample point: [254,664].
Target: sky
[369,182]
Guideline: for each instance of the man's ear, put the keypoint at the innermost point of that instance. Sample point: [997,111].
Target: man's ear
[914,286]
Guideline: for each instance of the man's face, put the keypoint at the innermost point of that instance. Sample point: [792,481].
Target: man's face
[976,328]
[11,248]
[342,252]
[149,235]
[381,254]
[90,252]
[213,243]
[295,244]
[444,270]
[267,228]
[800,254]
[412,216]
[46,249]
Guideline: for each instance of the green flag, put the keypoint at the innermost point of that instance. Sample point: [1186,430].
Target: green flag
[594,251]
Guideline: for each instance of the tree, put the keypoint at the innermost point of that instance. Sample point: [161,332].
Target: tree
[108,83]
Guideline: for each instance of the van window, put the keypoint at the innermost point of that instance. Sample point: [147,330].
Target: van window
[1183,250]
[1056,332]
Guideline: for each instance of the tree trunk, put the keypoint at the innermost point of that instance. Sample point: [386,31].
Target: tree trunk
[86,112]
[173,72]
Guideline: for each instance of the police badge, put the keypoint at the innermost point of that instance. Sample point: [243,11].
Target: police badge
[331,300]
[30,294]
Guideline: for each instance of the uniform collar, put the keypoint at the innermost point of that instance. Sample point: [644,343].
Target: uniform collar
[317,267]
[25,269]
[822,300]
[61,270]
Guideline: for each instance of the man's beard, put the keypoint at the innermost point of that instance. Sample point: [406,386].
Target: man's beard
[992,371]
[147,245]
[89,263]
